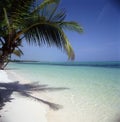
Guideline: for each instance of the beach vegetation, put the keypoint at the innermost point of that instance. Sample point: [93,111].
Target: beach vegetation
[36,22]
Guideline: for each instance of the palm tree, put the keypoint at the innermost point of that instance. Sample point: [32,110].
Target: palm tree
[36,22]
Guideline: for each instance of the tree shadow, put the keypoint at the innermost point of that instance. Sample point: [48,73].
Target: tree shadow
[26,90]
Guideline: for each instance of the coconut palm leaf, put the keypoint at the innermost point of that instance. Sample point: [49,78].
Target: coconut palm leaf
[18,52]
[58,17]
[44,33]
[49,34]
[6,18]
[44,4]
[71,26]
[49,30]
[35,21]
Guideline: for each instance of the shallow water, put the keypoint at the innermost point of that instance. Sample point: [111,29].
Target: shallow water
[93,93]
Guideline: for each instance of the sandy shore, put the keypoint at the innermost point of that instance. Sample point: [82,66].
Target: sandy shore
[24,109]
[21,109]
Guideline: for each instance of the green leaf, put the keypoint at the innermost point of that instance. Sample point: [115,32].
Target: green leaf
[6,19]
[44,3]
[18,52]
[71,26]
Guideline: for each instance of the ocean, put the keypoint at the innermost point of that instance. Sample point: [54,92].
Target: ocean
[91,90]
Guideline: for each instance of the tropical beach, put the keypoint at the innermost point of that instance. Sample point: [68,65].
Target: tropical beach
[17,109]
[87,95]
[48,73]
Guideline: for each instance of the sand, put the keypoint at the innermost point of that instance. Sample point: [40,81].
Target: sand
[21,109]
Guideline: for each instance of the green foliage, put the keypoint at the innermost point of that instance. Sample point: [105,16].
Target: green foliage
[38,22]
[18,52]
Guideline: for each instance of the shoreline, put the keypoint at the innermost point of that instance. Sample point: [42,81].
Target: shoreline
[87,99]
[20,108]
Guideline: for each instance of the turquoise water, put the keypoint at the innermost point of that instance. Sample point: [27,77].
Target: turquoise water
[93,93]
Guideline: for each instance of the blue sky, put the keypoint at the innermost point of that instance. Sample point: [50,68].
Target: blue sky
[100,40]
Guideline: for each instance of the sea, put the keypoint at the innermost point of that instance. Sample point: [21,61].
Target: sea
[89,91]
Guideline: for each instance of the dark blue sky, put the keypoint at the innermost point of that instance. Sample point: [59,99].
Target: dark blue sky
[100,40]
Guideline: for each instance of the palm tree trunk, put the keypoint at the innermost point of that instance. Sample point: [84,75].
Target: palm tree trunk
[4,60]
[1,63]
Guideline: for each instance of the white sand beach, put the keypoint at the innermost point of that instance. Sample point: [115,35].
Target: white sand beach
[21,109]
[92,101]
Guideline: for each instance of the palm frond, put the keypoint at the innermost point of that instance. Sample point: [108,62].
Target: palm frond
[40,31]
[44,3]
[67,46]
[18,52]
[6,19]
[40,23]
[44,33]
[20,12]
[58,16]
[71,26]
[49,34]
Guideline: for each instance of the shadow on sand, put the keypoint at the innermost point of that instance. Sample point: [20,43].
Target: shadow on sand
[26,90]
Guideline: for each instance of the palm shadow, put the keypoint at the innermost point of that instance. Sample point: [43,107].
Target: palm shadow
[26,90]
